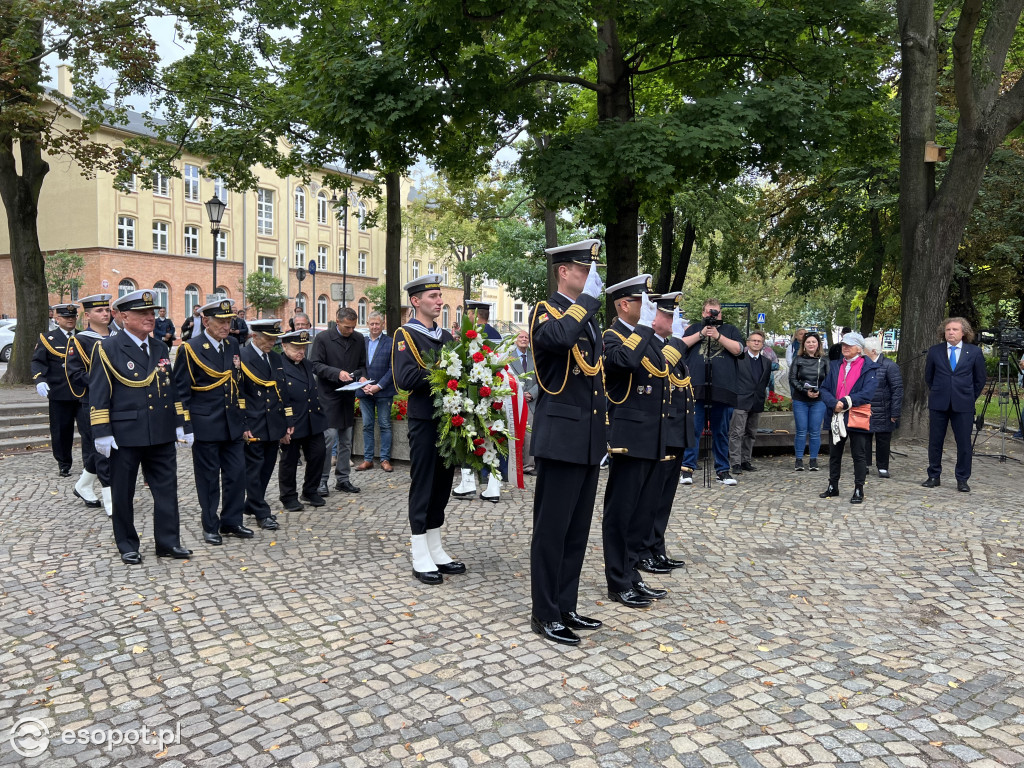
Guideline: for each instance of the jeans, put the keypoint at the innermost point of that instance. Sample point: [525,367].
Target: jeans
[809,417]
[719,418]
[379,407]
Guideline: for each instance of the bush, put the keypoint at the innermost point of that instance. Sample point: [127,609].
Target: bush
[777,402]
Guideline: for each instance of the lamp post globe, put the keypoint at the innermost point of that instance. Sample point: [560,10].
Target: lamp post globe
[215,211]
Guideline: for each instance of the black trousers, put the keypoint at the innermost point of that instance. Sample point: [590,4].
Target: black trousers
[96,463]
[214,462]
[563,507]
[313,452]
[662,493]
[882,440]
[626,523]
[431,480]
[860,445]
[63,415]
[962,423]
[160,468]
[260,460]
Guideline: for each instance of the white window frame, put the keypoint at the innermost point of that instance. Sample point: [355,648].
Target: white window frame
[415,268]
[321,310]
[191,178]
[191,241]
[362,216]
[161,236]
[301,301]
[361,310]
[341,261]
[126,286]
[362,262]
[300,203]
[220,245]
[300,255]
[518,312]
[163,293]
[161,185]
[264,211]
[266,264]
[444,274]
[191,299]
[219,190]
[322,209]
[125,232]
[321,257]
[446,314]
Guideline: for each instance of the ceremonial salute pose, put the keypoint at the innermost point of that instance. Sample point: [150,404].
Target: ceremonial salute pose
[76,368]
[136,419]
[308,421]
[636,372]
[52,383]
[431,480]
[678,437]
[266,418]
[208,375]
[568,439]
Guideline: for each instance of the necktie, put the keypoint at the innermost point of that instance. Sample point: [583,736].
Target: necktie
[952,358]
[524,361]
[145,349]
[220,348]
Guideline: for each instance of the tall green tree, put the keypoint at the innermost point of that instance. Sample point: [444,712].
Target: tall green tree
[64,273]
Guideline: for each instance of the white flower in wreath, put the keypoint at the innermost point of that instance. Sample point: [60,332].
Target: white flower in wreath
[468,404]
[498,426]
[483,407]
[455,368]
[490,456]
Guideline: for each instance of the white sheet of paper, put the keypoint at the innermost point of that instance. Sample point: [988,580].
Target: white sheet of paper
[355,385]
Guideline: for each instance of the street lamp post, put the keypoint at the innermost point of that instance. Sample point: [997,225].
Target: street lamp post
[215,210]
[344,248]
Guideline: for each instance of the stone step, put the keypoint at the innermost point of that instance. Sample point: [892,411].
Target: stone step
[25,443]
[23,419]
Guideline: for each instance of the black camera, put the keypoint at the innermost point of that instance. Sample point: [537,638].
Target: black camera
[810,388]
[1003,335]
[713,318]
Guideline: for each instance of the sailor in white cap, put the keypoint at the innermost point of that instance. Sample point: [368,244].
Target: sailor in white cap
[51,382]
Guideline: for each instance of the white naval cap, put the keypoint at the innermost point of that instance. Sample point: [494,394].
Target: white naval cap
[634,286]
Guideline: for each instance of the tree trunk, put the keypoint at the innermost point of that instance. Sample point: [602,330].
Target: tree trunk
[685,254]
[393,250]
[467,278]
[668,241]
[961,300]
[869,307]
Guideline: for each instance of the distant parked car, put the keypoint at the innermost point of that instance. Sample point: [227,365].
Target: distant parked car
[7,342]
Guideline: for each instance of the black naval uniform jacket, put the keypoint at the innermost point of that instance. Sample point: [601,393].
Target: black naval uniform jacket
[569,414]
[131,397]
[79,363]
[266,415]
[679,424]
[48,364]
[302,397]
[209,386]
[636,373]
[409,371]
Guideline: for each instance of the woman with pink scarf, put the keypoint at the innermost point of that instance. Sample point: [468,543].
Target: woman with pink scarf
[851,382]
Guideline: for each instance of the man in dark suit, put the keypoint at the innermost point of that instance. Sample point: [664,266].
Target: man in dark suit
[307,437]
[752,373]
[521,363]
[375,399]
[164,329]
[208,375]
[266,417]
[52,383]
[338,358]
[136,420]
[569,439]
[955,375]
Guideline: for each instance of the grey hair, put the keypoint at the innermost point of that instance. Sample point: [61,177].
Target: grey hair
[873,344]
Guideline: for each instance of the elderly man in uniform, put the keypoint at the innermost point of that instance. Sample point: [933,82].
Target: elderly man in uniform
[51,382]
[266,418]
[568,439]
[636,374]
[308,421]
[208,375]
[136,420]
[431,480]
[77,366]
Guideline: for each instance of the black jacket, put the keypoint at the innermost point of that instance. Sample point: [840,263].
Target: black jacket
[409,371]
[48,364]
[265,414]
[302,397]
[332,353]
[807,370]
[79,362]
[209,387]
[887,404]
[679,423]
[750,392]
[723,365]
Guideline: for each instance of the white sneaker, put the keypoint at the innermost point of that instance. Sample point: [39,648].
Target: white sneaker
[686,478]
[726,479]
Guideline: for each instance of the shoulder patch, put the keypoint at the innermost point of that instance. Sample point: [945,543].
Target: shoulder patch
[401,346]
[543,317]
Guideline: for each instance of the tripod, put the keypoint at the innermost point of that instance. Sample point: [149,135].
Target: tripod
[706,438]
[1006,385]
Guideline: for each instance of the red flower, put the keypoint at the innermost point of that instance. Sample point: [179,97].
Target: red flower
[485,391]
[486,349]
[479,451]
[453,384]
[478,357]
[471,334]
[496,405]
[457,421]
[478,441]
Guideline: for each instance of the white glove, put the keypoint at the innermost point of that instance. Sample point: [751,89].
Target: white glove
[677,324]
[648,311]
[594,285]
[188,439]
[104,445]
[43,388]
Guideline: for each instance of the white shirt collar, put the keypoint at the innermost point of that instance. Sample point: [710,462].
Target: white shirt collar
[631,327]
[957,346]
[138,342]
[753,355]
[212,340]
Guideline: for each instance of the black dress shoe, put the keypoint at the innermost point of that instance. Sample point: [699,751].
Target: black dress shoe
[931,482]
[345,486]
[131,558]
[832,490]
[652,566]
[648,591]
[492,499]
[237,530]
[748,467]
[737,469]
[451,569]
[573,620]
[294,505]
[178,553]
[213,538]
[323,490]
[314,501]
[66,472]
[428,577]
[88,503]
[630,598]
[268,523]
[554,631]
[858,495]
[962,486]
[668,562]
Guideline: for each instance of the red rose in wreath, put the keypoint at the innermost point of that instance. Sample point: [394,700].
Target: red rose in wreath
[478,441]
[471,334]
[453,384]
[485,391]
[496,405]
[480,451]
[486,349]
[458,421]
[478,357]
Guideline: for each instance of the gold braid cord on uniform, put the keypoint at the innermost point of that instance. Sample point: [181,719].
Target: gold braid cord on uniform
[675,381]
[85,361]
[577,313]
[43,340]
[111,370]
[257,380]
[220,377]
[412,348]
[629,384]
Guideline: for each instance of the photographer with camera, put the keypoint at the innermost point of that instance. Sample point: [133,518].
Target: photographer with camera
[806,374]
[713,350]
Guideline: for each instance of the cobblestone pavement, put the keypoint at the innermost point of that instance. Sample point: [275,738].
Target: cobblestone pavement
[802,632]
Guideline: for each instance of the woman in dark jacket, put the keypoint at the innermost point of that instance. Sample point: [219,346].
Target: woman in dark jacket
[886,405]
[851,382]
[807,373]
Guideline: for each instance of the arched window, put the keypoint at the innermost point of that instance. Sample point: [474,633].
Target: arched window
[458,314]
[125,287]
[300,301]
[191,299]
[321,208]
[362,216]
[361,312]
[446,312]
[163,294]
[223,291]
[300,203]
[321,310]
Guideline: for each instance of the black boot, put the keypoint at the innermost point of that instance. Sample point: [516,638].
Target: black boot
[858,495]
[832,490]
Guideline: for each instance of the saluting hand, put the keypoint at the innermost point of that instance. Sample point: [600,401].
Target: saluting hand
[677,323]
[648,310]
[594,285]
